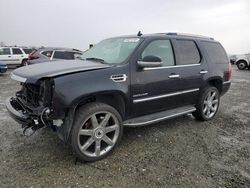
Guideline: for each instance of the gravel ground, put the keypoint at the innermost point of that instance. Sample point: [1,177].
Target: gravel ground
[179,152]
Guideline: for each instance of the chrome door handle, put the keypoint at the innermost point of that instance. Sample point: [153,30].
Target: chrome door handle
[203,72]
[174,76]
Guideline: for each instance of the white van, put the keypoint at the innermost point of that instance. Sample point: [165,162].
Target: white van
[13,56]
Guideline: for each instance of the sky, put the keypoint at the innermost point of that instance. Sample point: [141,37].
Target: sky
[78,23]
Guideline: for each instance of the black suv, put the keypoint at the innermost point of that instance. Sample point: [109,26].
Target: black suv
[123,81]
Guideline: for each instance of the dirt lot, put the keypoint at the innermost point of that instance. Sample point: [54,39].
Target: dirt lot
[176,153]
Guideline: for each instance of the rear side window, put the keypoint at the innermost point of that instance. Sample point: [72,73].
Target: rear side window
[188,52]
[64,55]
[4,51]
[47,53]
[17,51]
[215,52]
[161,49]
[27,51]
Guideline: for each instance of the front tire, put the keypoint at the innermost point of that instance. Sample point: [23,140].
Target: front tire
[242,65]
[96,131]
[208,104]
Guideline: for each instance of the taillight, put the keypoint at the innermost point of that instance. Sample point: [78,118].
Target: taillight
[229,71]
[32,55]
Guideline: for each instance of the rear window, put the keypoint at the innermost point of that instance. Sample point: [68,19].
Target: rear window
[27,51]
[4,51]
[17,51]
[215,52]
[188,52]
[64,55]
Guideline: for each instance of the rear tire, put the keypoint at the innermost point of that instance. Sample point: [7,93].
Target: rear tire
[242,65]
[97,130]
[208,104]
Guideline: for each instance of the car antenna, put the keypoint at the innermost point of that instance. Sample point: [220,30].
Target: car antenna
[139,34]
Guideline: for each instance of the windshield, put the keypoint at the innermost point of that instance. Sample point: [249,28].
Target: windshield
[111,51]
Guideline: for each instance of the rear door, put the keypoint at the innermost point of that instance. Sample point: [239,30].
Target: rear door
[17,56]
[192,68]
[5,55]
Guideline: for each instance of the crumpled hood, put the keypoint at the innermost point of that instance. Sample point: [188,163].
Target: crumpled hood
[35,72]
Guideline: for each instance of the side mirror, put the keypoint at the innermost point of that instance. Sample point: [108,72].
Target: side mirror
[150,61]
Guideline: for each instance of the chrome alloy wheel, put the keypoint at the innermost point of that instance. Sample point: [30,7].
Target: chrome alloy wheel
[98,134]
[210,104]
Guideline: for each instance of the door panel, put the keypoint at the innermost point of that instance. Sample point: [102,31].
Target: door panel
[153,90]
[191,66]
[5,55]
[150,90]
[170,86]
[17,56]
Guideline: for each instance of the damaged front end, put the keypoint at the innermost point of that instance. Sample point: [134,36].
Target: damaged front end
[31,106]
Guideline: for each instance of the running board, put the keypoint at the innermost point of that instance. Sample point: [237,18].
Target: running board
[157,117]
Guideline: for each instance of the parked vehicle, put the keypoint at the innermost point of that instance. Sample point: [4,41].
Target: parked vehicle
[28,50]
[14,56]
[232,59]
[124,81]
[243,61]
[3,67]
[42,55]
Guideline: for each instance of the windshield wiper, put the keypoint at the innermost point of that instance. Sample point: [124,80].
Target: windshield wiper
[96,59]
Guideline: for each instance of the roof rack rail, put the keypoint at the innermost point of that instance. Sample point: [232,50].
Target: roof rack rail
[188,35]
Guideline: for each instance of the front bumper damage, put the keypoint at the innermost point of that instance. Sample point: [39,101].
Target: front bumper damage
[33,119]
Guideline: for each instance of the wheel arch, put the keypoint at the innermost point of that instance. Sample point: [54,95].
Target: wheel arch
[241,60]
[115,99]
[216,82]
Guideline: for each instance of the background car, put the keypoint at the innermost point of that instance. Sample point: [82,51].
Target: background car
[52,54]
[3,67]
[243,61]
[28,50]
[14,56]
[232,59]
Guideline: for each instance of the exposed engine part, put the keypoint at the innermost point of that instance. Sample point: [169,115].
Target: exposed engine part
[58,122]
[31,129]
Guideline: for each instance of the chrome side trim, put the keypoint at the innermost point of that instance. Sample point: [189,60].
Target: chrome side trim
[160,119]
[227,82]
[170,67]
[164,96]
[17,78]
[174,76]
[204,72]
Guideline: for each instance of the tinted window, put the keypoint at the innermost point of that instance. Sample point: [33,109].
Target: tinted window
[215,52]
[27,51]
[4,51]
[47,53]
[161,49]
[64,55]
[188,52]
[16,51]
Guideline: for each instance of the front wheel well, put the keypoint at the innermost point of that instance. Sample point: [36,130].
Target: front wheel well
[113,99]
